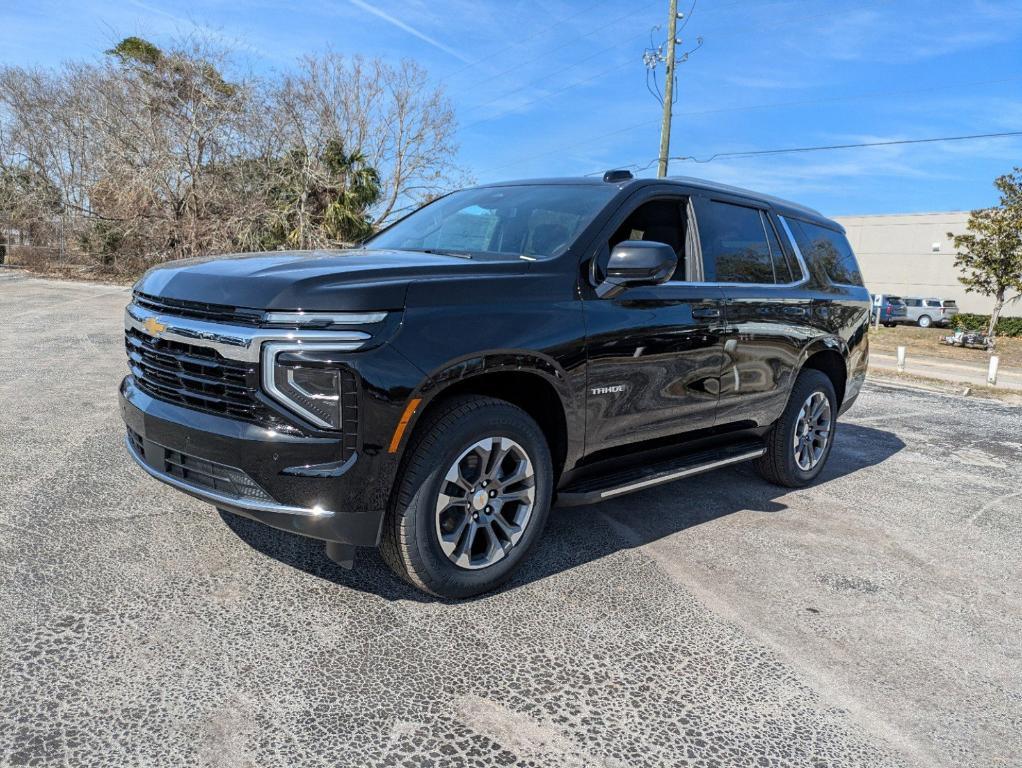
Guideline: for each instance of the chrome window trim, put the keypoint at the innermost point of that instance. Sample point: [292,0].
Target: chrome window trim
[219,498]
[235,342]
[798,251]
[770,250]
[269,365]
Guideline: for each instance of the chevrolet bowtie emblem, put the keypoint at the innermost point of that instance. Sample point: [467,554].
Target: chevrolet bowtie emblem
[153,326]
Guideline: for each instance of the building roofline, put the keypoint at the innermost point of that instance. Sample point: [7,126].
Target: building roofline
[890,215]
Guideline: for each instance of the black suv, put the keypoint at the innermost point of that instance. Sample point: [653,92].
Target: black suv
[502,349]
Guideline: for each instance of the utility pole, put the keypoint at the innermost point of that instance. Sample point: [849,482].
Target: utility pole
[665,128]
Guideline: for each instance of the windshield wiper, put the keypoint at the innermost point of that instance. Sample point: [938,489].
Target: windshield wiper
[439,252]
[434,252]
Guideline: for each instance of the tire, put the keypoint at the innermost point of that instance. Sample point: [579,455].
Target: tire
[924,321]
[779,465]
[451,442]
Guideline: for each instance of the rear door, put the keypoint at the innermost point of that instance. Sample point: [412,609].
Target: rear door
[655,352]
[769,308]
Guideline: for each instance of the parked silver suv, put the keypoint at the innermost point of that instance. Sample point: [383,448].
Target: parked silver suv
[927,312]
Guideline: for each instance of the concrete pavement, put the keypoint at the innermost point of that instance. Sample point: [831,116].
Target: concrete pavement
[948,370]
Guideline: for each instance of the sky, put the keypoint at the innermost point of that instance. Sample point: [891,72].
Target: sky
[559,87]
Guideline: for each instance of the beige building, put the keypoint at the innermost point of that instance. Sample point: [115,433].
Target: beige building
[909,254]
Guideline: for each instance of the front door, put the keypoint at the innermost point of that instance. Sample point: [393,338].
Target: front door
[654,352]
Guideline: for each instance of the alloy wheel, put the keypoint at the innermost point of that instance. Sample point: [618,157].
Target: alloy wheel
[485,502]
[812,431]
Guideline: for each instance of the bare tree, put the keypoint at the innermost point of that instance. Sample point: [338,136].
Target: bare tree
[150,154]
[390,114]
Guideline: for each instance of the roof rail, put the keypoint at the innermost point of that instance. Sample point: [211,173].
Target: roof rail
[618,175]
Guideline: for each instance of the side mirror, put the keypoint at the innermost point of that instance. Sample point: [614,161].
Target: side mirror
[637,262]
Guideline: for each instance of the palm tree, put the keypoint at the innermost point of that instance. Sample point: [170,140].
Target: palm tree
[357,188]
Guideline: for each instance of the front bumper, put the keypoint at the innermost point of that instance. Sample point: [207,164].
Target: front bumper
[299,483]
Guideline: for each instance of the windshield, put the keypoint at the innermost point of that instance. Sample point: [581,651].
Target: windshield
[532,221]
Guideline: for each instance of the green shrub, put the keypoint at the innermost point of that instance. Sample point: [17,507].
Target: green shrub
[1006,326]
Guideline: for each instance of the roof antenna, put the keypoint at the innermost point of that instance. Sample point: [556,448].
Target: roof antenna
[619,175]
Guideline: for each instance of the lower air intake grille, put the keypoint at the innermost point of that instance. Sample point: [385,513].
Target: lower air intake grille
[201,474]
[221,478]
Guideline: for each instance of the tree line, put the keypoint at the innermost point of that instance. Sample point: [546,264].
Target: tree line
[151,154]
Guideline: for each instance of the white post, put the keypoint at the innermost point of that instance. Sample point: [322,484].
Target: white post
[992,373]
[901,358]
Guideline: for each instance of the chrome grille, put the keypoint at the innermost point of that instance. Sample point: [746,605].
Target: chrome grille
[194,376]
[217,313]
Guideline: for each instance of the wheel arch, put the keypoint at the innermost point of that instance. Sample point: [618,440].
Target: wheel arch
[533,383]
[830,357]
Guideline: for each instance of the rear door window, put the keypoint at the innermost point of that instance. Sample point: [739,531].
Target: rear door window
[735,244]
[827,253]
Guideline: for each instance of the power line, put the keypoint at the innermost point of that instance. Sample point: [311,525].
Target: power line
[851,97]
[767,105]
[891,143]
[792,150]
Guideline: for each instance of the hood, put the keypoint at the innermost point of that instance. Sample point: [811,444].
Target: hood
[352,280]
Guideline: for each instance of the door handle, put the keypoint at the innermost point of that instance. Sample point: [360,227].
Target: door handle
[705,313]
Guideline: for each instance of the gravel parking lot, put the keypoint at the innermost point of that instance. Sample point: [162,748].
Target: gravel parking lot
[873,619]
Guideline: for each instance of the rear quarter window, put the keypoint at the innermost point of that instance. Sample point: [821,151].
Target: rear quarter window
[827,253]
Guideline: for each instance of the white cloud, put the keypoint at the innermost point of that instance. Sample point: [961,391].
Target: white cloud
[393,20]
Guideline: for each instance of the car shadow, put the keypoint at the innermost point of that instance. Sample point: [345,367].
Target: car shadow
[570,540]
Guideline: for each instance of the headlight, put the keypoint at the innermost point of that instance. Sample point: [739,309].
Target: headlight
[312,389]
[322,319]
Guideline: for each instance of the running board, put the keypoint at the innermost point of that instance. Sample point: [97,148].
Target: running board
[617,484]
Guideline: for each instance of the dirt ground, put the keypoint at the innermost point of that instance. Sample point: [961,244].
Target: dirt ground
[926,342]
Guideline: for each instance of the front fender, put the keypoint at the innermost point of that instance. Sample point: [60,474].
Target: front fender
[492,363]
